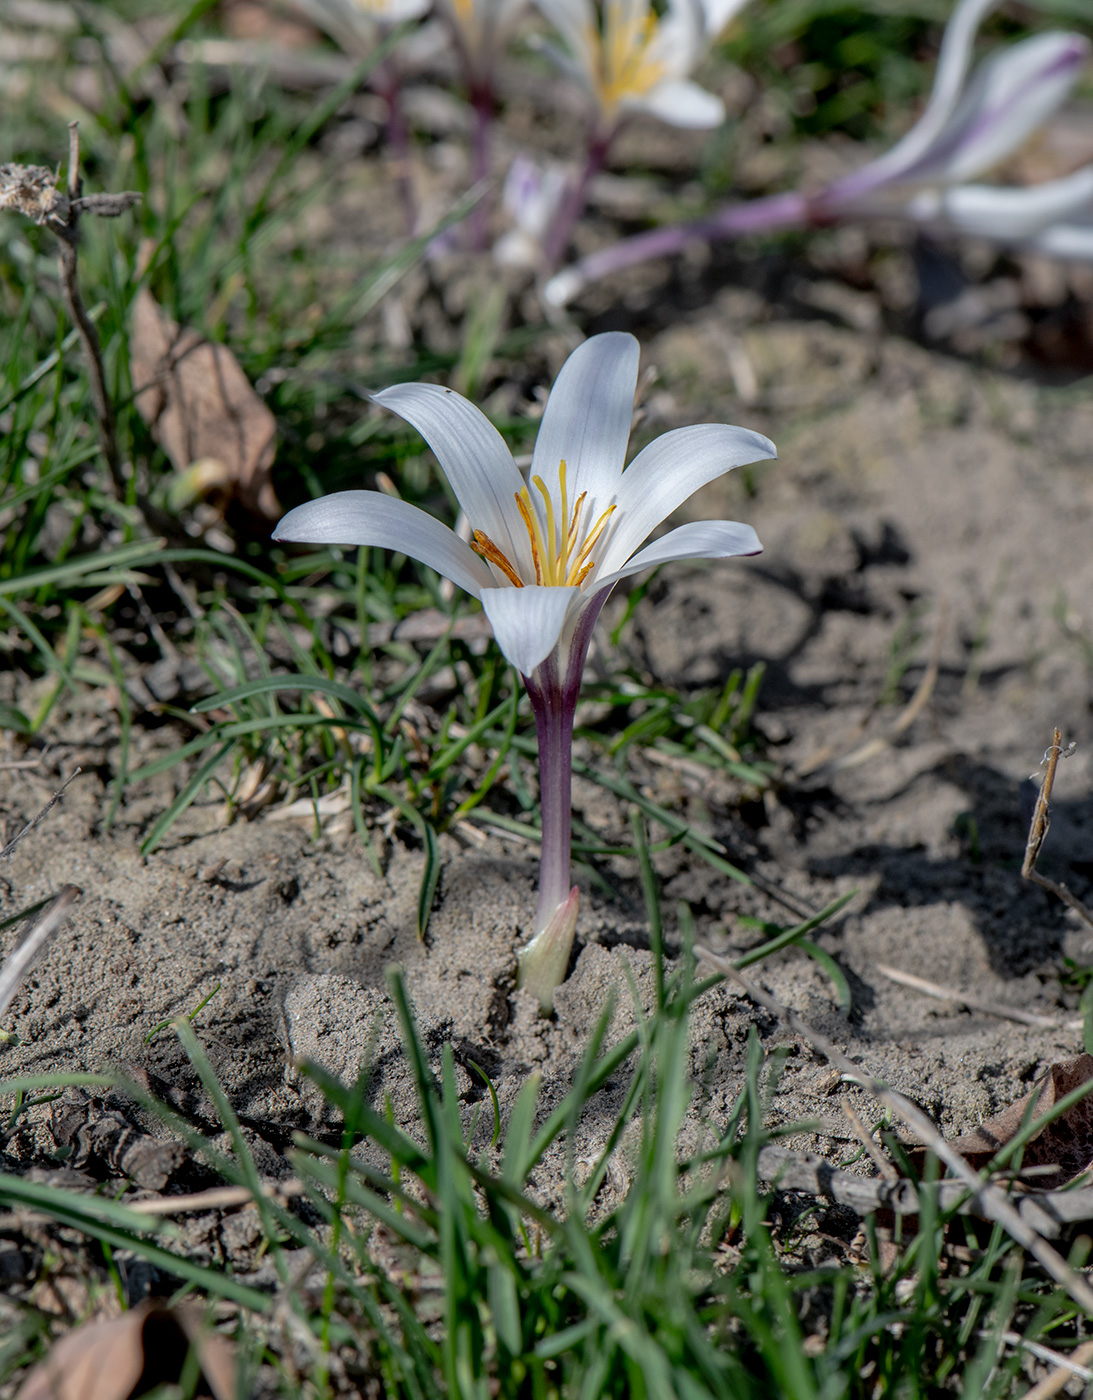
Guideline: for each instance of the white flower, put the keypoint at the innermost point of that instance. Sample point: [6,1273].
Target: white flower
[1054,218]
[531,198]
[629,58]
[545,556]
[968,127]
[482,28]
[356,25]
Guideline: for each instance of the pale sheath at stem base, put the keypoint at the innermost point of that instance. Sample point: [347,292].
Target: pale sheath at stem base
[546,553]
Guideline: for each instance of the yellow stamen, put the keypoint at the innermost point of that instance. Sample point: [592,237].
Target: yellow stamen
[621,48]
[581,565]
[538,550]
[482,544]
[560,559]
[554,545]
[563,548]
[571,536]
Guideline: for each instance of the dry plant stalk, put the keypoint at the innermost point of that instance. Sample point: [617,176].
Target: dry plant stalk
[991,1202]
[10,846]
[974,1002]
[1055,1380]
[32,190]
[216,1198]
[32,944]
[1038,830]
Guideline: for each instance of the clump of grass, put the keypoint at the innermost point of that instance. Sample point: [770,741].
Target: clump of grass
[432,1270]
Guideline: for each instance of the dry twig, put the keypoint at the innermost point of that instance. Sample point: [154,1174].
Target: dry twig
[6,851]
[32,190]
[33,943]
[217,1198]
[975,1003]
[1055,1380]
[1051,1213]
[869,1142]
[1026,1227]
[1038,830]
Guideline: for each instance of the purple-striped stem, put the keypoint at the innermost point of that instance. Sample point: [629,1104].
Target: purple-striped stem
[553,695]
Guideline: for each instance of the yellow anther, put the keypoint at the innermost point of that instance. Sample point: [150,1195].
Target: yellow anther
[581,565]
[554,546]
[559,556]
[482,544]
[625,67]
[523,505]
[571,536]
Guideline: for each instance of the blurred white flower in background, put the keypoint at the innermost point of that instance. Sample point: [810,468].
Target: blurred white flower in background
[482,28]
[357,26]
[531,198]
[629,58]
[970,126]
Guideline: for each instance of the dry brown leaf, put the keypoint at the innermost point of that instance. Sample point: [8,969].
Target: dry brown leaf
[1066,1143]
[202,409]
[130,1355]
[263,22]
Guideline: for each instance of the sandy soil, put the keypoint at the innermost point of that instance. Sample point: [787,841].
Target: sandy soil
[917,503]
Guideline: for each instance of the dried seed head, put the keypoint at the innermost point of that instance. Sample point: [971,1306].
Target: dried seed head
[32,190]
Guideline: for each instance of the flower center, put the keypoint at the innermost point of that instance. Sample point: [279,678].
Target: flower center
[561,557]
[625,66]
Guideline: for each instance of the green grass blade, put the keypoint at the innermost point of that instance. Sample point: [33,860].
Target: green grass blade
[429,880]
[189,793]
[273,685]
[415,1053]
[791,935]
[249,1171]
[74,571]
[114,1225]
[833,970]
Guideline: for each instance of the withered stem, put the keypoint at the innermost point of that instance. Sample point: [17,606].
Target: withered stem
[68,259]
[1038,829]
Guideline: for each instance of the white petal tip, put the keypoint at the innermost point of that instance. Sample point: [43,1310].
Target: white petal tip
[293,527]
[542,962]
[769,452]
